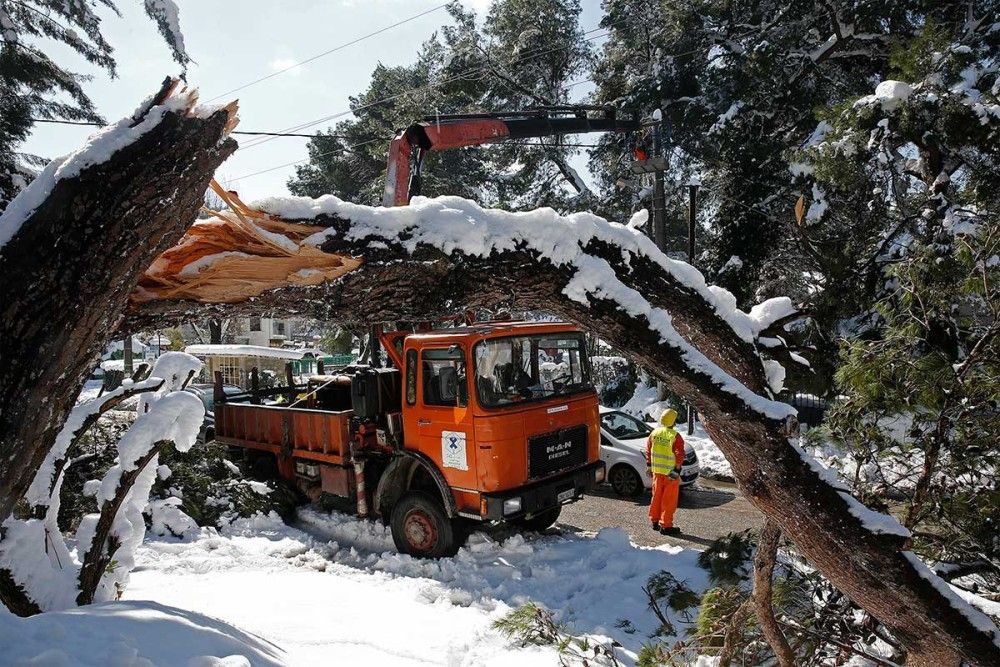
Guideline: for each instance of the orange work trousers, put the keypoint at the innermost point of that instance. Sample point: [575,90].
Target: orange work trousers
[664,502]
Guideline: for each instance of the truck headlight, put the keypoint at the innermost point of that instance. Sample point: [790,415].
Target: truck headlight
[512,505]
[599,474]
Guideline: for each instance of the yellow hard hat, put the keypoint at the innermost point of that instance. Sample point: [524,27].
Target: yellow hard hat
[668,417]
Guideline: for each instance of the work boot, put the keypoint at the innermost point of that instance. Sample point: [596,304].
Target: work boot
[670,530]
[656,526]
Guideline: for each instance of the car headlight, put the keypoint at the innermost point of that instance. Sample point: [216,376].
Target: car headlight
[599,474]
[512,505]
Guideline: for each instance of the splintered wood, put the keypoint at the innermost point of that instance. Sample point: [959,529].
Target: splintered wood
[238,254]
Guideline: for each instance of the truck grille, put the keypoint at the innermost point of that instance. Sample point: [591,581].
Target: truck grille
[551,452]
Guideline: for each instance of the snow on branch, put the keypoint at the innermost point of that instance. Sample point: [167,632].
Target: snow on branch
[167,17]
[100,147]
[456,225]
[34,555]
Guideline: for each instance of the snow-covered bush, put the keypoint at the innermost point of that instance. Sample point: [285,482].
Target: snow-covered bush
[42,569]
[211,488]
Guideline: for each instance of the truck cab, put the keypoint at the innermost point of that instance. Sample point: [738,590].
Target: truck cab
[504,411]
[494,422]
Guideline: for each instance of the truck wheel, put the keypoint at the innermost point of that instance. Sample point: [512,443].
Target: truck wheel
[541,521]
[625,481]
[421,528]
[264,468]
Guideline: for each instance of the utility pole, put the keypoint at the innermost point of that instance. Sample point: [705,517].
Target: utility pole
[655,165]
[127,353]
[659,196]
[692,215]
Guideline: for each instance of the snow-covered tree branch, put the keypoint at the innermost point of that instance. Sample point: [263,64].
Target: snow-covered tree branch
[39,571]
[438,257]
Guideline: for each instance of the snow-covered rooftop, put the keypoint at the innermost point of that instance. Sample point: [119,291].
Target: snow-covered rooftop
[251,351]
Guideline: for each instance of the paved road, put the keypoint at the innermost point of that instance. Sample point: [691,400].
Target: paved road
[706,512]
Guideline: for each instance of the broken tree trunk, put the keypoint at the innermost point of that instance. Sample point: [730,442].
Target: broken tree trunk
[79,237]
[439,258]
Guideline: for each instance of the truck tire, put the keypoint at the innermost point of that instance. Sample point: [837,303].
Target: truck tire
[264,467]
[541,521]
[421,528]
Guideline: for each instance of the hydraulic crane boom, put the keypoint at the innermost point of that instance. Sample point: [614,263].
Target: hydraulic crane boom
[437,133]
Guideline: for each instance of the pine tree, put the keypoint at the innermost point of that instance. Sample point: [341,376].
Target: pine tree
[525,54]
[745,88]
[33,86]
[921,409]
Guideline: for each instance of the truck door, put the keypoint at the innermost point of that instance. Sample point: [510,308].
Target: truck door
[441,413]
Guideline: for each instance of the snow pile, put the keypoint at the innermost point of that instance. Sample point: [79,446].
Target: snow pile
[130,634]
[43,483]
[167,518]
[453,224]
[766,313]
[645,404]
[328,590]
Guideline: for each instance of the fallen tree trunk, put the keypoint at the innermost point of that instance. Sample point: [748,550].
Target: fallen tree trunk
[442,257]
[72,247]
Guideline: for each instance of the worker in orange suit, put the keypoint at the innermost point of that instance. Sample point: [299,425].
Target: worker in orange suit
[664,458]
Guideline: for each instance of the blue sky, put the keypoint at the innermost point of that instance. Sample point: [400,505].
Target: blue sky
[236,41]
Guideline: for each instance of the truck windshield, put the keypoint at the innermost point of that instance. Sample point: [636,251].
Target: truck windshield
[526,368]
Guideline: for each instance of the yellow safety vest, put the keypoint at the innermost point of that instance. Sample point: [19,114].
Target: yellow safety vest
[661,454]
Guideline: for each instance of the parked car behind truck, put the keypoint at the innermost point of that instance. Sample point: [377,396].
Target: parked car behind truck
[623,450]
[465,429]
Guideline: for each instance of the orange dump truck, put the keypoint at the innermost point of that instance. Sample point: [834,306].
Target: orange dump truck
[487,423]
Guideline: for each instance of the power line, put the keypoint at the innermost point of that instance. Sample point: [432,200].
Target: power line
[377,139]
[531,54]
[326,53]
[475,70]
[245,132]
[289,164]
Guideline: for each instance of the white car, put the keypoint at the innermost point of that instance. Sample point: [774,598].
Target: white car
[623,450]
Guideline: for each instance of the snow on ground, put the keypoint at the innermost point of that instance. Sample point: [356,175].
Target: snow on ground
[333,590]
[130,634]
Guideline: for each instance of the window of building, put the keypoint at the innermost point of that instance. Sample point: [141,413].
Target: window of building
[444,379]
[255,324]
[279,328]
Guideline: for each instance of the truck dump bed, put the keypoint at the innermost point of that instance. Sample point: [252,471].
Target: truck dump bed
[302,433]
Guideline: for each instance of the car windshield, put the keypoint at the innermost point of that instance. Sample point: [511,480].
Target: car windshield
[526,368]
[623,426]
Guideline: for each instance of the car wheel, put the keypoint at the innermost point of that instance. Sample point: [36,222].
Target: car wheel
[421,528]
[625,481]
[540,521]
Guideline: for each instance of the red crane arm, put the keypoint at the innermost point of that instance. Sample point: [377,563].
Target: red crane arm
[447,132]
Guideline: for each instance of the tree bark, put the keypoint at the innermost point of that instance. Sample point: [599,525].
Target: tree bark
[763,573]
[68,271]
[396,284]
